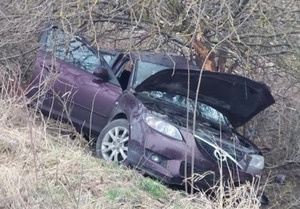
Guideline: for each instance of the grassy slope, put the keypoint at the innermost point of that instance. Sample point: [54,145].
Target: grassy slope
[42,171]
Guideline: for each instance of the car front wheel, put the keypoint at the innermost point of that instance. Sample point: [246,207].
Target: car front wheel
[112,143]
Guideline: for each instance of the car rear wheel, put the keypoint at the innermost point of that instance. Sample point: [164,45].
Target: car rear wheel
[112,143]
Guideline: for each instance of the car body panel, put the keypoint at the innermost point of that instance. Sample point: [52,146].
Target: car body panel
[91,99]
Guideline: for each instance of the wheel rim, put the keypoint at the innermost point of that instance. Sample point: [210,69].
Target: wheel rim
[115,144]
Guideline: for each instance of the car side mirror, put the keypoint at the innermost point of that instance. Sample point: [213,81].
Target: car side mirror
[101,73]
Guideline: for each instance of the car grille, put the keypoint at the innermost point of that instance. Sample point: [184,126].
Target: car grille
[209,150]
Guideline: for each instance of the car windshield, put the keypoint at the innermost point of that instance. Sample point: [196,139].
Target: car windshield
[204,111]
[144,70]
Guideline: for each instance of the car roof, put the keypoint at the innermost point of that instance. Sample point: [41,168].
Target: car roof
[169,60]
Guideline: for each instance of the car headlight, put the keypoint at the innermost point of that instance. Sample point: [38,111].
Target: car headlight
[257,161]
[163,126]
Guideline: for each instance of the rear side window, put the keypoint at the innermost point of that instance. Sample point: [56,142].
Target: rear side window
[72,50]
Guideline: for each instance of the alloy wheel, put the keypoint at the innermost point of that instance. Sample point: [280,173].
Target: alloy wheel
[115,144]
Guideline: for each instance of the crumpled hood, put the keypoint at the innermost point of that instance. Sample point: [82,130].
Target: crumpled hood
[237,97]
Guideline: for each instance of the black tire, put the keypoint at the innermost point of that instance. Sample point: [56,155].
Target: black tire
[112,142]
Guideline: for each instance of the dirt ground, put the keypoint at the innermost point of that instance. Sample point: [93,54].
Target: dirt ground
[285,194]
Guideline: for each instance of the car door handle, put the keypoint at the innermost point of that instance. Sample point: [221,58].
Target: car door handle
[49,67]
[97,81]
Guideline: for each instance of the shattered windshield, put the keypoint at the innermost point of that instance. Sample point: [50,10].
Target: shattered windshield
[204,111]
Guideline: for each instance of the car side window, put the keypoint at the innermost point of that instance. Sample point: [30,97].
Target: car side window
[71,50]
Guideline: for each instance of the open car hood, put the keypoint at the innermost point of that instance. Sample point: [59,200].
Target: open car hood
[237,97]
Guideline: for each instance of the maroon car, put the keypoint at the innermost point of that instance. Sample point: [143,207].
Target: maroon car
[150,110]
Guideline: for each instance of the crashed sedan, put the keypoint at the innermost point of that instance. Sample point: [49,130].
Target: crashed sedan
[157,112]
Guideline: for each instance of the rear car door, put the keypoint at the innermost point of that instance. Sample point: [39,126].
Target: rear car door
[77,94]
[46,76]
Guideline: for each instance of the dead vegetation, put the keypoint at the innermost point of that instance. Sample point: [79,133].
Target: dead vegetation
[41,167]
